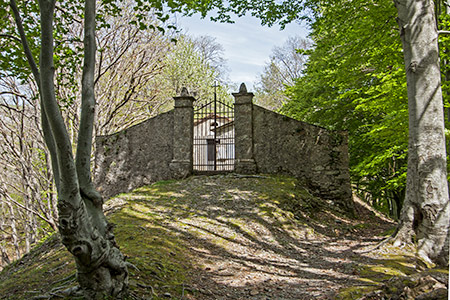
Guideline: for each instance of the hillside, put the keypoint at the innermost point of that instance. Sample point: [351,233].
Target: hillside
[235,237]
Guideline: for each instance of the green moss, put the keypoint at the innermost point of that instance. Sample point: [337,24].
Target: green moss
[392,265]
[157,253]
[389,232]
[362,226]
[380,272]
[439,271]
[354,292]
[24,278]
[394,270]
[159,225]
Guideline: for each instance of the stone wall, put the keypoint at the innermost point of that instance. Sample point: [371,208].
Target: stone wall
[314,155]
[134,157]
[266,142]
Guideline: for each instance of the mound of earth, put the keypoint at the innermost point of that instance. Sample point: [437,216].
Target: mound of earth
[231,237]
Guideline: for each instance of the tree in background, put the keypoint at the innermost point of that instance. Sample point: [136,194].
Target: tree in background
[54,33]
[130,61]
[140,71]
[285,66]
[425,212]
[26,183]
[354,81]
[212,54]
[193,63]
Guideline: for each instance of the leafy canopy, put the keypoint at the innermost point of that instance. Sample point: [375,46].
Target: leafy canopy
[355,81]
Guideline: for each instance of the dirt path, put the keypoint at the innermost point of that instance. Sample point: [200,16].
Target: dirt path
[232,237]
[246,245]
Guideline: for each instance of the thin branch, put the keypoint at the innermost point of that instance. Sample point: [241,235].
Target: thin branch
[67,13]
[11,200]
[14,93]
[9,36]
[1,229]
[24,41]
[112,64]
[9,107]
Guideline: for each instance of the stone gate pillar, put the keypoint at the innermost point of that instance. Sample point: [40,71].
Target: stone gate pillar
[183,134]
[243,126]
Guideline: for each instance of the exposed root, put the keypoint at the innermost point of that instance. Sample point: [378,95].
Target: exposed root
[133,296]
[420,286]
[145,286]
[130,265]
[61,292]
[58,268]
[378,246]
[71,278]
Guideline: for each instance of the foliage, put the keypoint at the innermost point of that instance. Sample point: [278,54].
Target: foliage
[285,66]
[132,52]
[444,47]
[67,51]
[354,81]
[188,66]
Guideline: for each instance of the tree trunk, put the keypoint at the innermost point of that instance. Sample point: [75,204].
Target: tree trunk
[14,234]
[4,259]
[425,212]
[102,270]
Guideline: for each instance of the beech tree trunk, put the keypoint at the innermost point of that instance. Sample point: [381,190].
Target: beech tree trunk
[102,270]
[425,214]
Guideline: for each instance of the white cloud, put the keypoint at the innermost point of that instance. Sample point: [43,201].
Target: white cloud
[247,43]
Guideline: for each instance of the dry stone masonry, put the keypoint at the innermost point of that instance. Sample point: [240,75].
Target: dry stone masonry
[266,142]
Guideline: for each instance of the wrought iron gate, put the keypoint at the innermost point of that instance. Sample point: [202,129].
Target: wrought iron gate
[213,136]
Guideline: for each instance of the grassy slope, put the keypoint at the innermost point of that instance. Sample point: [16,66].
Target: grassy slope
[153,229]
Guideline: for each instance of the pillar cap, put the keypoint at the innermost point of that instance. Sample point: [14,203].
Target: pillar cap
[184,92]
[184,100]
[242,89]
[243,96]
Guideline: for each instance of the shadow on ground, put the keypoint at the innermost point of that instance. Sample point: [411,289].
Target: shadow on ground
[256,238]
[228,237]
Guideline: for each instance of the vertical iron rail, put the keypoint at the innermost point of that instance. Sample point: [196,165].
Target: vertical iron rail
[213,136]
[215,126]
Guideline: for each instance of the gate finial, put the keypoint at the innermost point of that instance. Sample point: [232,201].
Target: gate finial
[184,92]
[242,89]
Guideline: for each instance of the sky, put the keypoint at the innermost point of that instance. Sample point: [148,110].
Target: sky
[247,44]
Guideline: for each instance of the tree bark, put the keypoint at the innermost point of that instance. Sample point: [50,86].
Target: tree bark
[49,140]
[4,257]
[425,212]
[84,145]
[102,270]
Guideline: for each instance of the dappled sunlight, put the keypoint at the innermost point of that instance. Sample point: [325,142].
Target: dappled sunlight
[240,239]
[244,239]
